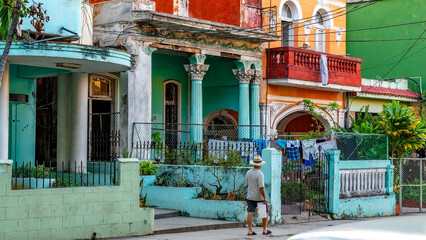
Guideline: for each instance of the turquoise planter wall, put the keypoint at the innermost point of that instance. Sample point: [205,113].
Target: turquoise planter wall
[204,175]
[185,200]
[22,123]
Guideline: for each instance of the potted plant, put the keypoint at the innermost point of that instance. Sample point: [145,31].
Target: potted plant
[147,171]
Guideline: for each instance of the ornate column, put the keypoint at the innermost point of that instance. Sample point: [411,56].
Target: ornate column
[254,104]
[4,114]
[244,77]
[196,72]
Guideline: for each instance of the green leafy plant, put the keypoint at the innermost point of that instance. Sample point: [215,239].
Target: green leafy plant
[61,183]
[406,131]
[36,171]
[147,168]
[126,154]
[170,179]
[157,141]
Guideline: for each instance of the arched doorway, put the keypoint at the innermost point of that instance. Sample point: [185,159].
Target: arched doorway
[299,124]
[221,125]
[171,112]
[296,120]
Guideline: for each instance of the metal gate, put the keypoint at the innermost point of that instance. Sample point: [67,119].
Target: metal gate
[104,137]
[305,186]
[410,184]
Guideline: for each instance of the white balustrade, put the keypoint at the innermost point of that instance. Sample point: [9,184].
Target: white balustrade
[362,182]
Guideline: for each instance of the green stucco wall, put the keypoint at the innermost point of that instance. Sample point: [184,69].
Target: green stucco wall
[22,123]
[379,57]
[220,87]
[74,213]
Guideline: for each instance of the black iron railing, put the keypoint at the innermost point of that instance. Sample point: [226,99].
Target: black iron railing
[28,175]
[104,137]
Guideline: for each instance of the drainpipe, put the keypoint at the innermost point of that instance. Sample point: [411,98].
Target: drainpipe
[56,38]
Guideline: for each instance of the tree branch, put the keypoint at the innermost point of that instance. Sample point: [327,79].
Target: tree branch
[9,39]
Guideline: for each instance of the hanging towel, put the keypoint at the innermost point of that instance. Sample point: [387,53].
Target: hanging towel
[324,69]
[309,147]
[282,143]
[328,145]
[293,143]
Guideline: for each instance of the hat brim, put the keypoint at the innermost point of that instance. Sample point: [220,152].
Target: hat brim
[257,164]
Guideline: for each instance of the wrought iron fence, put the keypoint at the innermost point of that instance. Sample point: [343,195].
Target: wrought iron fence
[104,136]
[410,183]
[59,175]
[193,144]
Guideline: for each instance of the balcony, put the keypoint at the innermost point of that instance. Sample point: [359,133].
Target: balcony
[290,66]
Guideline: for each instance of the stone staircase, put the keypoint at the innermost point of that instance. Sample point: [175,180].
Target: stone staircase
[170,221]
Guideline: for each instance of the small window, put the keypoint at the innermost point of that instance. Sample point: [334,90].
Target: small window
[319,19]
[100,87]
[287,12]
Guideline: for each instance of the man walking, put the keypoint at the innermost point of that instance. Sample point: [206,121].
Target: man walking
[255,194]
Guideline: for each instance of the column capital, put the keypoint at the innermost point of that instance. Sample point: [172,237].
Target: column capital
[197,58]
[257,78]
[196,71]
[243,75]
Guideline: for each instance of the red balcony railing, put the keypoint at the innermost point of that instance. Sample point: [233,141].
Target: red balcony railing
[303,64]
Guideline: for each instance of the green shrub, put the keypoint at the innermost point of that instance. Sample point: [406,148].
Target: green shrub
[147,168]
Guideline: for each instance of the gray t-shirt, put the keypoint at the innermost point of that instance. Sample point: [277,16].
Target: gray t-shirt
[254,181]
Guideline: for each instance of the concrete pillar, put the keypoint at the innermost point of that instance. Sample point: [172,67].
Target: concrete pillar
[334,181]
[63,151]
[272,173]
[196,72]
[135,96]
[265,118]
[244,77]
[4,114]
[79,120]
[255,105]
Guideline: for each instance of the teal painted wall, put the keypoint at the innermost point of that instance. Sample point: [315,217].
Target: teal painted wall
[220,86]
[62,13]
[168,67]
[379,57]
[22,124]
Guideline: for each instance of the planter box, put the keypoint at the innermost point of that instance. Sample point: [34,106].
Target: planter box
[217,209]
[148,180]
[185,200]
[35,183]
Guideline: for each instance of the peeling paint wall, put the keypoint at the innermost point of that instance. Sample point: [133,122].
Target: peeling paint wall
[243,13]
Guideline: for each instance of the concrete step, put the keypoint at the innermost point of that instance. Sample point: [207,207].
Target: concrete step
[191,224]
[165,213]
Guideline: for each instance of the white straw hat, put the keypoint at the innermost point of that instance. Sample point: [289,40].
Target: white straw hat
[257,161]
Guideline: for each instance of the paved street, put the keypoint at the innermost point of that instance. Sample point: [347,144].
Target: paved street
[283,231]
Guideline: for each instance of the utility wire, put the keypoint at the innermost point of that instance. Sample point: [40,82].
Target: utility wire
[396,64]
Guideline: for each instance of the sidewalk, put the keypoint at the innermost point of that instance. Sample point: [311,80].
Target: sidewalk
[283,231]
